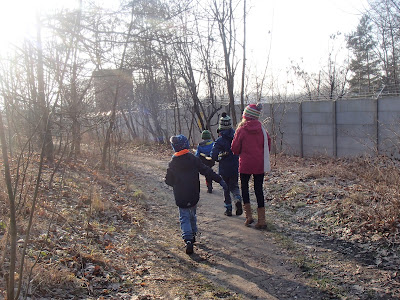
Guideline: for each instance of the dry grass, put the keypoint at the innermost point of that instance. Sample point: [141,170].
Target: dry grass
[375,202]
[48,278]
[363,193]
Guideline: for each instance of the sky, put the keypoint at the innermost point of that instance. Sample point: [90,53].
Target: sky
[283,30]
[293,30]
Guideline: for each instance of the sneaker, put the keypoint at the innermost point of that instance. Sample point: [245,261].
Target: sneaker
[239,209]
[228,213]
[189,247]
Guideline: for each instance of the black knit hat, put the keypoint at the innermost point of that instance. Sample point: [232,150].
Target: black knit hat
[225,122]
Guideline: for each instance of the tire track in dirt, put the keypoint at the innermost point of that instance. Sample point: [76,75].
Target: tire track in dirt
[241,259]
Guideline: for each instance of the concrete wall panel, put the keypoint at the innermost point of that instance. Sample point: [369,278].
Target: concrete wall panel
[352,117]
[320,141]
[317,130]
[389,104]
[317,107]
[318,118]
[361,131]
[357,105]
[389,117]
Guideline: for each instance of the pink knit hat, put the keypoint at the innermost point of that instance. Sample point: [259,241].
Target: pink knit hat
[252,111]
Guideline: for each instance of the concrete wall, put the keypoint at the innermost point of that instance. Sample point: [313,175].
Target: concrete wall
[318,128]
[286,127]
[389,126]
[356,127]
[341,128]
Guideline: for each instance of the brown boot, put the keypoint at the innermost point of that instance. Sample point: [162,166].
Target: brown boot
[247,213]
[261,218]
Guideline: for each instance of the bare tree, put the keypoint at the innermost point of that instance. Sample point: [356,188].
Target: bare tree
[12,209]
[107,141]
[207,50]
[45,110]
[331,82]
[223,14]
[183,51]
[244,57]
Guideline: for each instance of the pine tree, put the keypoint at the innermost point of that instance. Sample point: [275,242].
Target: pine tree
[364,66]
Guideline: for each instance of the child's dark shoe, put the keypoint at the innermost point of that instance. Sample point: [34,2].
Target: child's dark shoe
[209,190]
[228,212]
[239,209]
[189,247]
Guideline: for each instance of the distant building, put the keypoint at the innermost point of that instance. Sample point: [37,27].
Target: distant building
[107,83]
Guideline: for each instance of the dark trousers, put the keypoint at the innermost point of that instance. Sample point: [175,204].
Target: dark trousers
[209,182]
[233,187]
[258,188]
[208,163]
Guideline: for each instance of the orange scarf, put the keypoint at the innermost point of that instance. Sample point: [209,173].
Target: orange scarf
[182,152]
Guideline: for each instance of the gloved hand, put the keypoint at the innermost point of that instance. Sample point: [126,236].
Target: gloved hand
[224,185]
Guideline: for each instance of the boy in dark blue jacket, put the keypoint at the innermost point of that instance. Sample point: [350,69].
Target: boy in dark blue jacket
[228,164]
[203,152]
[183,175]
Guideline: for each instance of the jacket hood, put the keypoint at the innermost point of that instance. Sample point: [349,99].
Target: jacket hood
[229,133]
[252,126]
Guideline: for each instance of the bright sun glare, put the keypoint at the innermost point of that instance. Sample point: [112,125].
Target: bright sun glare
[18,18]
[14,20]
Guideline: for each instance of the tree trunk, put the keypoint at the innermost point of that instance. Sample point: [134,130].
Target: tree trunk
[110,128]
[244,58]
[75,99]
[13,222]
[45,115]
[227,44]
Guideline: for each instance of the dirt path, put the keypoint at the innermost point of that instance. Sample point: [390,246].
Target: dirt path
[116,235]
[246,260]
[242,262]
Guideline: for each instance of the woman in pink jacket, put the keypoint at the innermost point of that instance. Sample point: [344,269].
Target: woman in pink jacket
[252,143]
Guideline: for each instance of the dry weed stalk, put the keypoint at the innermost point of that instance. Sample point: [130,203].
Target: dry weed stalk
[378,210]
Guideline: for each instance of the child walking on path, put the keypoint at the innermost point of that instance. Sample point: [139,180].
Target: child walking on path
[183,175]
[228,164]
[203,151]
[252,143]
